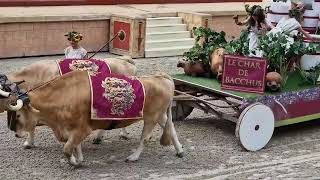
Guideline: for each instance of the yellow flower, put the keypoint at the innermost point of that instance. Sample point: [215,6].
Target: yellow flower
[77,37]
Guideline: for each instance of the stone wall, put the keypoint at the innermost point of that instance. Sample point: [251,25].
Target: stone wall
[226,23]
[223,22]
[47,38]
[196,19]
[19,39]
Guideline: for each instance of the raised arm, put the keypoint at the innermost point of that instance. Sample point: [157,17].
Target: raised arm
[269,24]
[305,33]
[240,23]
[266,26]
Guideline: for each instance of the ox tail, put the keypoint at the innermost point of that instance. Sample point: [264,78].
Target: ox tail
[166,135]
[128,59]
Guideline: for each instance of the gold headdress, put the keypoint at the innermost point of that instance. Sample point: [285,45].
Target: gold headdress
[250,10]
[74,36]
[297,14]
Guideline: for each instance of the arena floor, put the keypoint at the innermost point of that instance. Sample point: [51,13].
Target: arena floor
[212,150]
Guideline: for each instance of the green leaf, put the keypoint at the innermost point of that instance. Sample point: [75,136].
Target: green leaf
[201,53]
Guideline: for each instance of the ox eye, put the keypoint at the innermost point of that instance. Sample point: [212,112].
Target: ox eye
[18,116]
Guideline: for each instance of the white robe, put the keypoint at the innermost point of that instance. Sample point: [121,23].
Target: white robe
[285,26]
[71,53]
[253,40]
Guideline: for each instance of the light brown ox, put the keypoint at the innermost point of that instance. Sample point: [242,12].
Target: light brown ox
[68,113]
[46,70]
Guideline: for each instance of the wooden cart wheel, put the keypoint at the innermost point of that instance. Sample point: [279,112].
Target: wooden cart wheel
[180,111]
[255,127]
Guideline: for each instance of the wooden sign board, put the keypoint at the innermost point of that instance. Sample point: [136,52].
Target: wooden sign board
[246,74]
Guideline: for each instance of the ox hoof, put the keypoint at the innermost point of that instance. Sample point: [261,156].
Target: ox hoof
[78,165]
[180,155]
[28,146]
[132,159]
[73,162]
[80,159]
[97,141]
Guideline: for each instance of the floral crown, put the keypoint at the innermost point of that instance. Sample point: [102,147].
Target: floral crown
[74,36]
[250,10]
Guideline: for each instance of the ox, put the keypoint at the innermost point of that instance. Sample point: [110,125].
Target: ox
[68,115]
[43,71]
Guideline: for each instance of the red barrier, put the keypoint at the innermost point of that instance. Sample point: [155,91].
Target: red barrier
[105,2]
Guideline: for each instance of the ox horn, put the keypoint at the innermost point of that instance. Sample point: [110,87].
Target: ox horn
[4,93]
[16,107]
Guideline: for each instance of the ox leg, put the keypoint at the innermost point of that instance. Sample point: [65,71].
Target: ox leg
[29,143]
[70,148]
[124,133]
[78,153]
[68,152]
[146,134]
[98,137]
[176,143]
[166,123]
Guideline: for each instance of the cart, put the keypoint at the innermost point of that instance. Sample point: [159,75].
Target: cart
[255,115]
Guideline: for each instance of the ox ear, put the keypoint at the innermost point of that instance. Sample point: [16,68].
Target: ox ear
[4,102]
[33,109]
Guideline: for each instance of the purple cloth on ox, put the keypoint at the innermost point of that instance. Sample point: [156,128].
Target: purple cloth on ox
[93,66]
[116,97]
[113,96]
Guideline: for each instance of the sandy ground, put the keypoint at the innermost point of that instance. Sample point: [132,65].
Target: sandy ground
[212,150]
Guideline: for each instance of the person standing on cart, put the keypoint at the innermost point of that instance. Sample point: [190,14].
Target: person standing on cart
[257,24]
[75,50]
[292,23]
